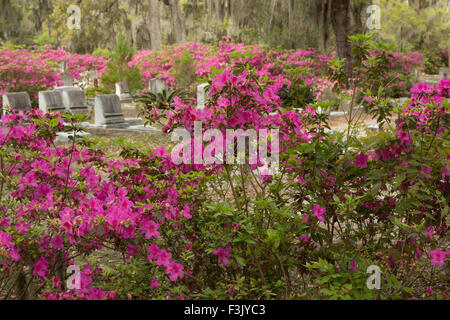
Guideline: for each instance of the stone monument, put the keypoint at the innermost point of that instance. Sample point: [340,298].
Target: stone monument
[108,112]
[17,101]
[157,86]
[75,101]
[67,79]
[51,101]
[123,91]
[202,93]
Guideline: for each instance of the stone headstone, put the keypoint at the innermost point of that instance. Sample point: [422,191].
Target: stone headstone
[62,66]
[201,95]
[123,91]
[17,101]
[108,111]
[327,95]
[67,79]
[93,76]
[51,101]
[443,73]
[75,101]
[157,86]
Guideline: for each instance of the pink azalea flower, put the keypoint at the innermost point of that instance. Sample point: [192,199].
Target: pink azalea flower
[150,229]
[40,268]
[153,251]
[155,284]
[404,137]
[354,266]
[361,160]
[175,271]
[223,254]
[186,212]
[438,256]
[56,282]
[310,110]
[163,258]
[318,212]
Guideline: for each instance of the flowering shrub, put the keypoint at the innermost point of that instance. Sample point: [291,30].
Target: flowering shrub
[164,63]
[37,70]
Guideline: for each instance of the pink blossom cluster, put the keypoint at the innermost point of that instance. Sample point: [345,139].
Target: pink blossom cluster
[37,70]
[60,204]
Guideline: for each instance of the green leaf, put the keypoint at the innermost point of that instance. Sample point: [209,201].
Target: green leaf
[241,261]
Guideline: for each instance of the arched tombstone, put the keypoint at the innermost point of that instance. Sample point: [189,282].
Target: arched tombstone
[157,86]
[202,94]
[108,111]
[51,101]
[16,101]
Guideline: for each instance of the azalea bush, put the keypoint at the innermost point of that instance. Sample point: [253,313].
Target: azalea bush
[38,69]
[200,61]
[340,203]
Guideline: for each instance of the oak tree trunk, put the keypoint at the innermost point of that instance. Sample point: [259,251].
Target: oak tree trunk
[340,20]
[177,21]
[154,24]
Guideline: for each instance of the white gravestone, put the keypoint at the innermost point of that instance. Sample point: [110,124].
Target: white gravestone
[67,79]
[123,91]
[51,101]
[62,66]
[202,93]
[75,101]
[108,111]
[157,86]
[17,101]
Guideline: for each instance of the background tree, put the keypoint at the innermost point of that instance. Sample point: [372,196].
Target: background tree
[290,24]
[154,24]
